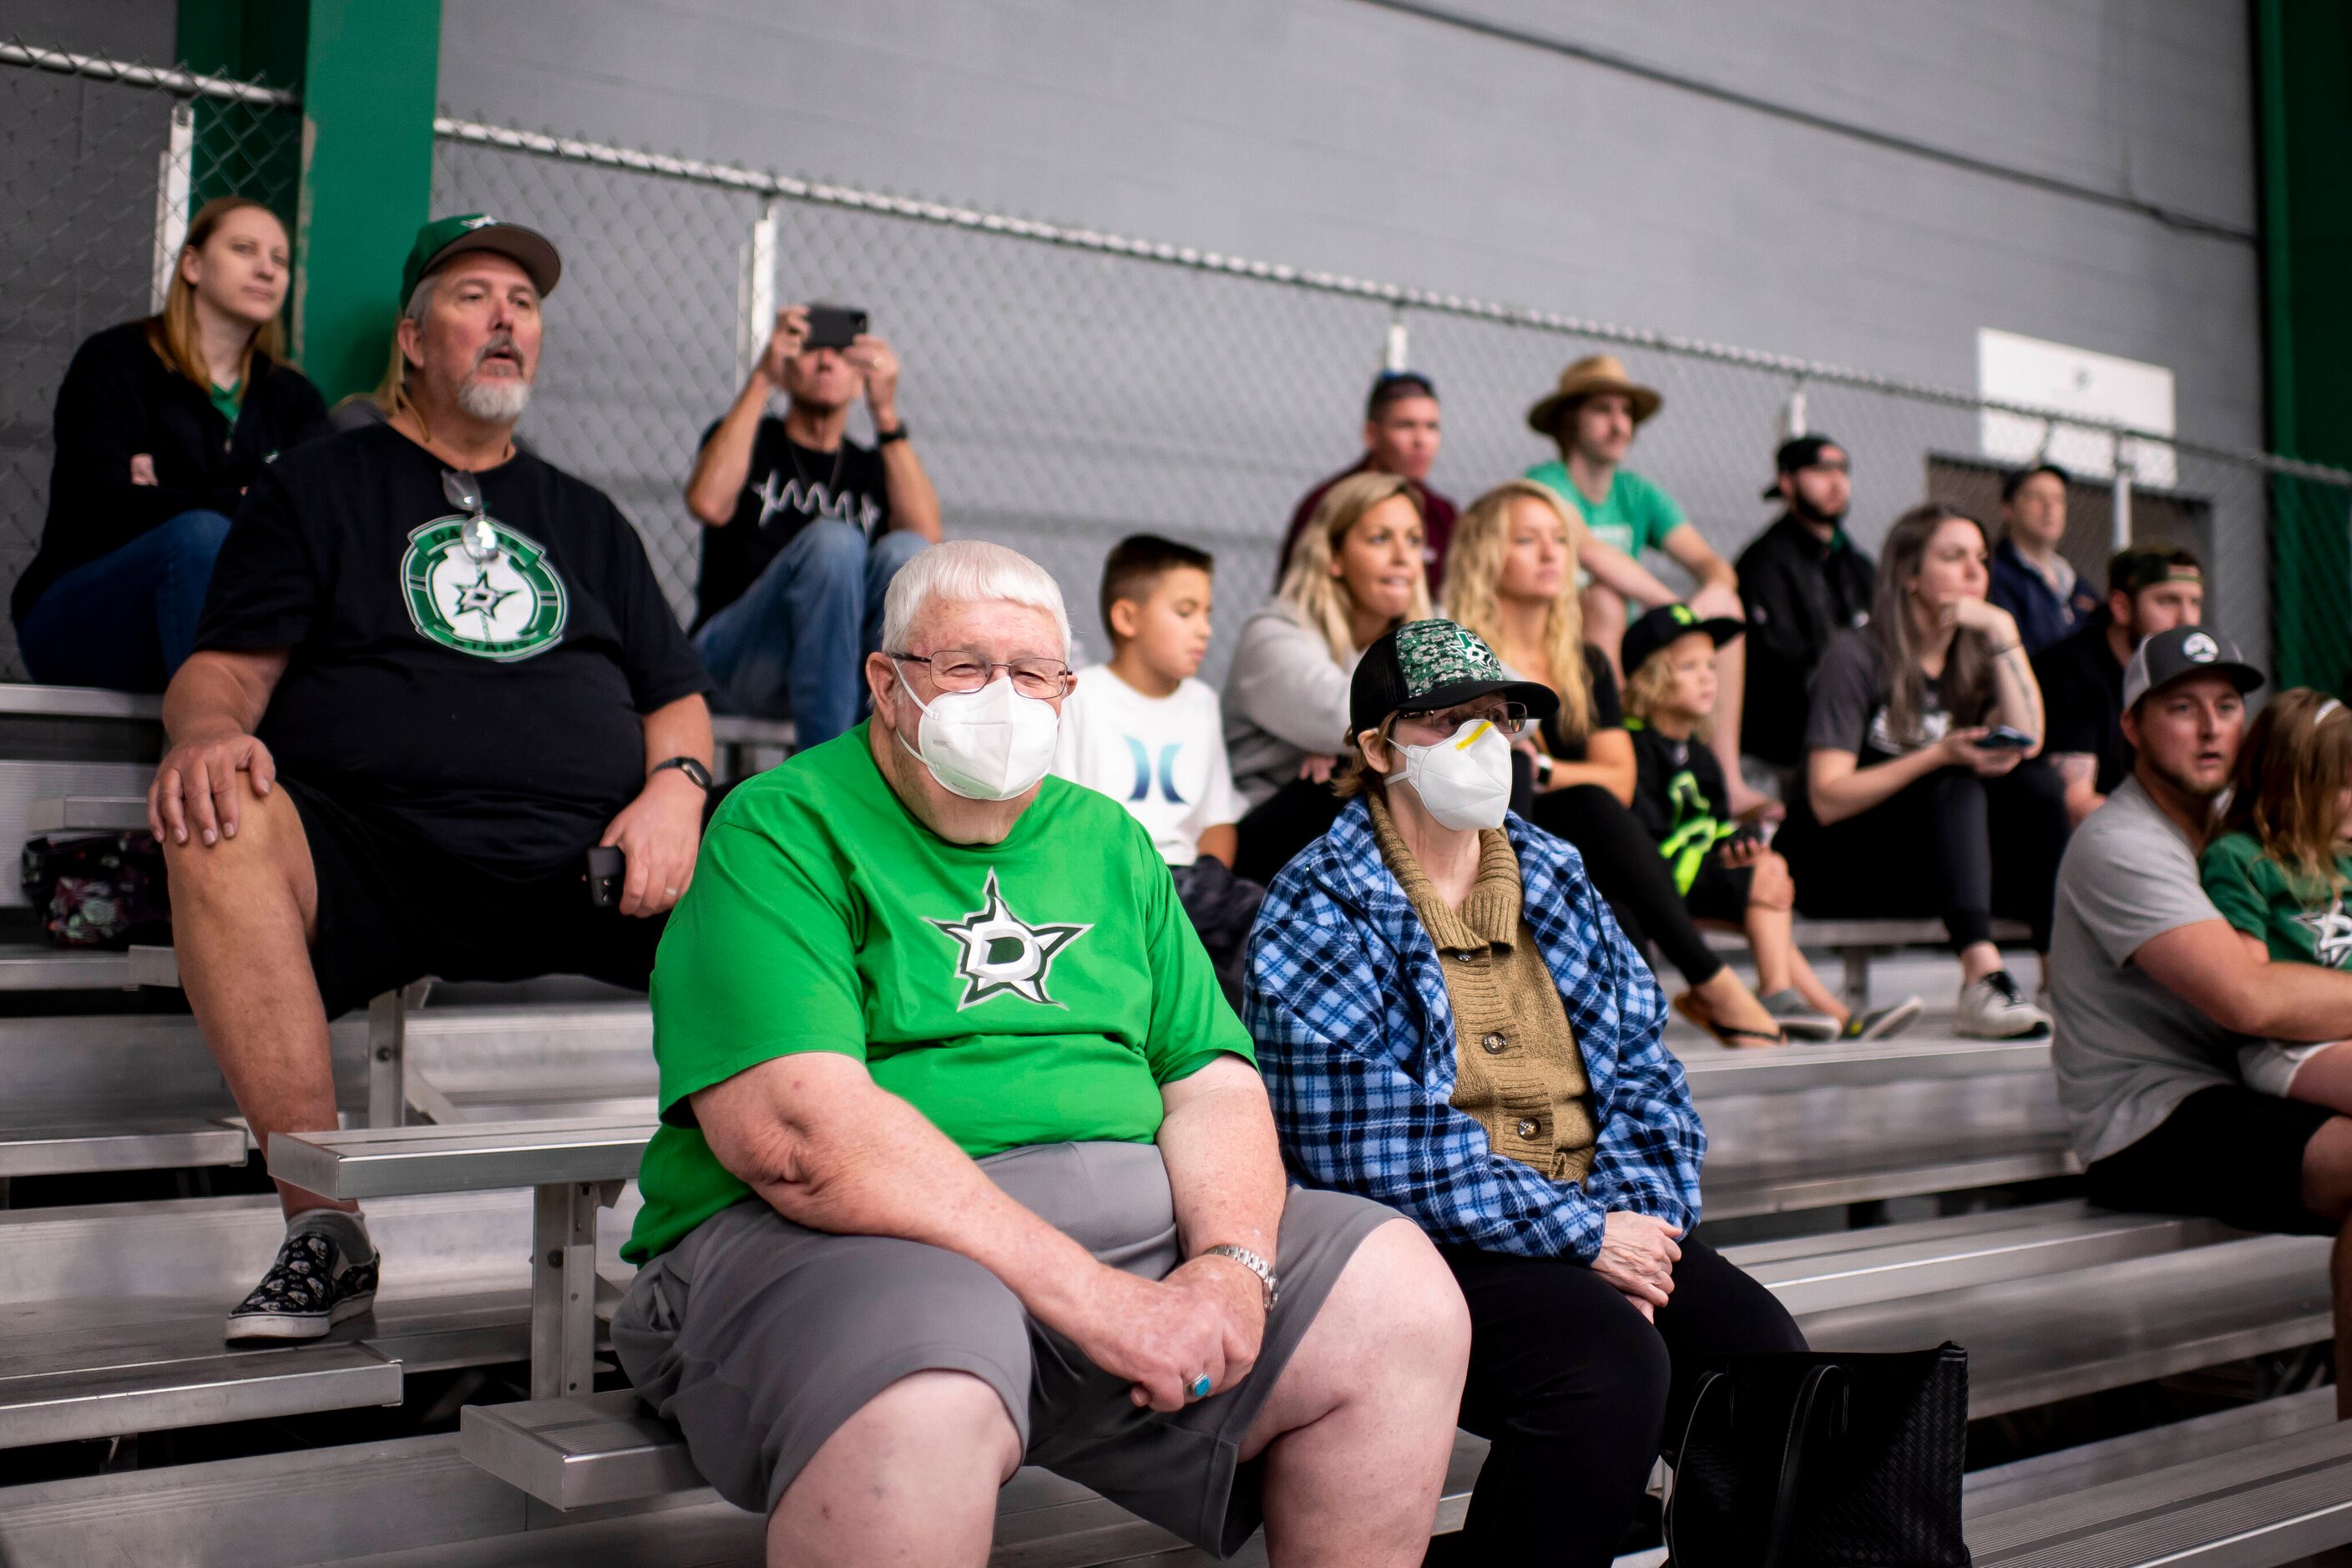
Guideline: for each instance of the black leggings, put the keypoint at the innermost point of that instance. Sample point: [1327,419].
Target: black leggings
[1625,864]
[1951,844]
[1280,825]
[1578,1393]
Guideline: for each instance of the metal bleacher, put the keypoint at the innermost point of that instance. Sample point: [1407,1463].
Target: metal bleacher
[492,1133]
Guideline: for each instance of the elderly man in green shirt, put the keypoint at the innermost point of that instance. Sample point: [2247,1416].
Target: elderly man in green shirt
[1592,415]
[965,1163]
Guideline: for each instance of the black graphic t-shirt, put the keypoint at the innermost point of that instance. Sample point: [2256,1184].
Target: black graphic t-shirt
[483,691]
[1850,708]
[788,487]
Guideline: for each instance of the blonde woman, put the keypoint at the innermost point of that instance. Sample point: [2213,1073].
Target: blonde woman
[1510,577]
[1355,573]
[160,423]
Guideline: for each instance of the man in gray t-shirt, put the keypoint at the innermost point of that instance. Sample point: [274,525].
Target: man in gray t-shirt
[2128,1050]
[2152,990]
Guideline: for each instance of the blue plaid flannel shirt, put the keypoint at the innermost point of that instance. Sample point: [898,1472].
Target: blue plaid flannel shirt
[1355,1039]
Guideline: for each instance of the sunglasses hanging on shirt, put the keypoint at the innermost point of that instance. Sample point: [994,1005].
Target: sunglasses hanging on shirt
[464,491]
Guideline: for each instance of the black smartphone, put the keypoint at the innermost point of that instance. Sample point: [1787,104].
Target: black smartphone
[608,869]
[2001,738]
[834,326]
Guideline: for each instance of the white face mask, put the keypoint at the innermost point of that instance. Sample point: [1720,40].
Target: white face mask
[988,744]
[1465,782]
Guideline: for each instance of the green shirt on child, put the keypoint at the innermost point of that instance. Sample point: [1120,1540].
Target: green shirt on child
[2299,921]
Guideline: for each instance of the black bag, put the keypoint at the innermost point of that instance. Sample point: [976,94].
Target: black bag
[1800,1461]
[105,889]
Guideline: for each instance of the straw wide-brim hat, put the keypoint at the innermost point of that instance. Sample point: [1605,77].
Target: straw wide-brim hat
[1595,373]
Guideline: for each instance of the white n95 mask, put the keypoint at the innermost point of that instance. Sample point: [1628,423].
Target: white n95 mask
[1465,782]
[988,744]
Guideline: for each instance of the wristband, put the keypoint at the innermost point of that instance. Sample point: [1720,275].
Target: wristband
[897,433]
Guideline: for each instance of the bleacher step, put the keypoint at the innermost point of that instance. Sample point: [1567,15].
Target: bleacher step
[1906,1167]
[142,1395]
[2257,1506]
[87,813]
[25,968]
[148,1146]
[2069,1470]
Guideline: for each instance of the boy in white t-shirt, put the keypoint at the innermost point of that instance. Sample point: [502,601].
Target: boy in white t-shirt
[1144,731]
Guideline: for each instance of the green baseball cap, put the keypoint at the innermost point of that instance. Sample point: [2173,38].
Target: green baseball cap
[444,238]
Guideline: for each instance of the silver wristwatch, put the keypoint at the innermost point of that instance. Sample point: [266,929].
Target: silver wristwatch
[1255,1263]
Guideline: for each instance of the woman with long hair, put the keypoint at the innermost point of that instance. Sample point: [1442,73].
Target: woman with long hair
[1510,577]
[1354,574]
[1925,794]
[160,423]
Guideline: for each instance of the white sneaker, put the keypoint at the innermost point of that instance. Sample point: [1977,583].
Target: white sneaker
[1994,1008]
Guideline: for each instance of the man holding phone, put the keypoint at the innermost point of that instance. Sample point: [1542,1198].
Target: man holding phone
[803,528]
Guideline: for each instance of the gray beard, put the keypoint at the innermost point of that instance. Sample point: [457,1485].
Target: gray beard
[494,402]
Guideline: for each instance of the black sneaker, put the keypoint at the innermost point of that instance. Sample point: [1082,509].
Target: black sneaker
[1884,1023]
[310,1287]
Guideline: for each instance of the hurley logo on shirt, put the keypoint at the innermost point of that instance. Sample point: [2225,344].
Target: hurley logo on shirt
[488,591]
[999,953]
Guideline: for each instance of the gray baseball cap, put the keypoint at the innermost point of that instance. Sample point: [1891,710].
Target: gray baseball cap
[2185,651]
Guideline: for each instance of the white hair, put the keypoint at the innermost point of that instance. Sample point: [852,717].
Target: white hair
[968,570]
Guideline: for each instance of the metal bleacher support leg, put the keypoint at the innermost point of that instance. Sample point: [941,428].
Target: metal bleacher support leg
[563,1285]
[387,1103]
[391,1087]
[1857,978]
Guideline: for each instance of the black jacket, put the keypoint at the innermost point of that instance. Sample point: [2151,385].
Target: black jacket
[1799,593]
[119,398]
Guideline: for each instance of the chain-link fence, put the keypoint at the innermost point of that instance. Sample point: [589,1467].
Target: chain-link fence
[101,164]
[1066,387]
[1063,387]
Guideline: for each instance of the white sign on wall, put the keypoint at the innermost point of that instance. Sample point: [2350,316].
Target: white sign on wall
[2013,368]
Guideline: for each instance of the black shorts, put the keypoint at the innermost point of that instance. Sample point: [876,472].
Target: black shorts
[1719,892]
[2228,1152]
[393,909]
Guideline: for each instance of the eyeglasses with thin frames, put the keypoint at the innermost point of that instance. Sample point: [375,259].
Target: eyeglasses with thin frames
[1510,718]
[969,669]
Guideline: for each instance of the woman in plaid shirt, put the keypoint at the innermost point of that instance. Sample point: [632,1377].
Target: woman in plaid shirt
[1450,1022]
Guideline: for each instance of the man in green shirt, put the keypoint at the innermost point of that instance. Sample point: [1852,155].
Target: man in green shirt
[1592,417]
[964,1162]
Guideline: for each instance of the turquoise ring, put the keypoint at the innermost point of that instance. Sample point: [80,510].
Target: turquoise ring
[1199,1386]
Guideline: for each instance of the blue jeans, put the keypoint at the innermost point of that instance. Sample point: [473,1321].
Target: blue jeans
[127,619]
[795,643]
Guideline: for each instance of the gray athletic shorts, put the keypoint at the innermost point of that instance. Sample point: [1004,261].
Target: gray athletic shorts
[759,1337]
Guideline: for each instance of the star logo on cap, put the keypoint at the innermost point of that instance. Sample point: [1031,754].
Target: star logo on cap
[2201,647]
[1002,954]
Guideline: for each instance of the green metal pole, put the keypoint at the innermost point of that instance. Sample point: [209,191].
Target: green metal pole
[371,76]
[2306,122]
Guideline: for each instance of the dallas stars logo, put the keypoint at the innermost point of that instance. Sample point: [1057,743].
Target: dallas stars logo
[2331,934]
[1002,953]
[506,607]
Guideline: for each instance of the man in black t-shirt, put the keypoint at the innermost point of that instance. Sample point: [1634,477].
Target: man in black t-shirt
[805,529]
[2081,674]
[1803,581]
[432,672]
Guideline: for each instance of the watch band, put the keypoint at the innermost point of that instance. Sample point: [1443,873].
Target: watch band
[1543,771]
[897,433]
[690,766]
[1255,1263]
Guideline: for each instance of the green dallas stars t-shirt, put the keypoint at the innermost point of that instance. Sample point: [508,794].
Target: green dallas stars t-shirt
[2299,921]
[1036,991]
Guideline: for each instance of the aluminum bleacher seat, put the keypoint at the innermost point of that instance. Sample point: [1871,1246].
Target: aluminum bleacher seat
[1858,942]
[1816,1126]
